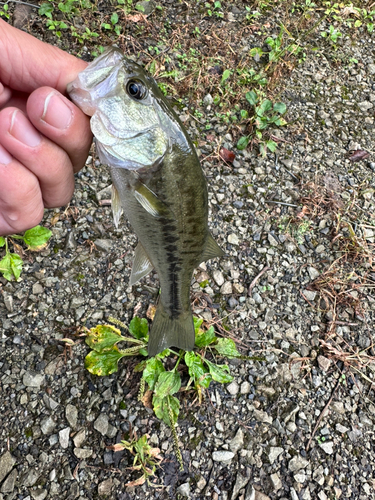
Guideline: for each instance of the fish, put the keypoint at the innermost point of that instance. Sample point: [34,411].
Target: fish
[157,182]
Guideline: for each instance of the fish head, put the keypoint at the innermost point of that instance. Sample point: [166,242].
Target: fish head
[129,119]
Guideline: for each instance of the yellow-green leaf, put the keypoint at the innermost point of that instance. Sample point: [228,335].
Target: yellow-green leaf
[226,347]
[162,407]
[167,383]
[220,373]
[103,337]
[37,237]
[104,363]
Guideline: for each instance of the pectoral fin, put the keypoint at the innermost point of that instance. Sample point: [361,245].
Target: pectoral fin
[116,206]
[141,265]
[150,202]
[211,250]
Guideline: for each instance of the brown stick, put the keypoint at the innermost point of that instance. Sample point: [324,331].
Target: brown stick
[322,414]
[253,283]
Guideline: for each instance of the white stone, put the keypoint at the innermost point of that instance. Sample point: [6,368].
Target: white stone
[222,456]
[64,437]
[233,239]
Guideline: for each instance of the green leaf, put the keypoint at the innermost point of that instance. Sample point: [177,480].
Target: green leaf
[252,97]
[202,339]
[104,363]
[106,26]
[264,106]
[243,142]
[279,107]
[258,133]
[226,347]
[37,237]
[167,383]
[220,373]
[139,328]
[11,266]
[46,9]
[163,354]
[227,73]
[244,114]
[154,367]
[162,406]
[140,366]
[197,324]
[262,122]
[140,8]
[272,146]
[103,337]
[196,369]
[114,18]
[2,241]
[257,53]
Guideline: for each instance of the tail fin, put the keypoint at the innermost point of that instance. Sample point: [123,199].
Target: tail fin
[167,332]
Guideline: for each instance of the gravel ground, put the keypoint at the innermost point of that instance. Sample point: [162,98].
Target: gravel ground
[297,422]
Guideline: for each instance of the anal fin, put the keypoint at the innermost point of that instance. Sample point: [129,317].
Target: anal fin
[211,250]
[116,206]
[141,265]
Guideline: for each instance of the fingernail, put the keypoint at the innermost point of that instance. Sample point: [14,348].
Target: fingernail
[22,130]
[5,157]
[56,112]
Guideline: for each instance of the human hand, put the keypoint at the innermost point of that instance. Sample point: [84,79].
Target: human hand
[44,137]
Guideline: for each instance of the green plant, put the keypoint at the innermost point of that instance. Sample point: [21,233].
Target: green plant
[333,34]
[113,25]
[216,9]
[252,15]
[146,458]
[278,48]
[4,11]
[35,239]
[161,383]
[265,114]
[126,5]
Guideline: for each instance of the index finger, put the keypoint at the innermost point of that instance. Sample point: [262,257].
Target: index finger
[26,63]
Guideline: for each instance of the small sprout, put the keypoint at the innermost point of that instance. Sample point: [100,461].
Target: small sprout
[36,240]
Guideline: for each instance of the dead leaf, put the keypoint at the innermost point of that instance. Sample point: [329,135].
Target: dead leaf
[116,447]
[136,18]
[151,312]
[358,155]
[227,155]
[147,399]
[55,219]
[137,482]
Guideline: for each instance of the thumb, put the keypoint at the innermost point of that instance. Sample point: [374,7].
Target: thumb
[26,63]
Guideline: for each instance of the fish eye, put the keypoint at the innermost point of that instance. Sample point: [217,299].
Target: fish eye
[136,89]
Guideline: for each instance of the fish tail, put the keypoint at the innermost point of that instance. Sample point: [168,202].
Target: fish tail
[167,331]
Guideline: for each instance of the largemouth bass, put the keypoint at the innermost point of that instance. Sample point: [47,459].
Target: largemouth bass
[157,181]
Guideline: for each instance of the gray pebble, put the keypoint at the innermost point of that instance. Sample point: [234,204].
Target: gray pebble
[101,424]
